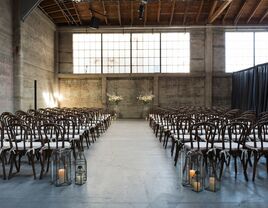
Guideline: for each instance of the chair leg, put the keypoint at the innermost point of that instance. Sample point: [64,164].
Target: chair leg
[33,166]
[235,164]
[3,165]
[255,165]
[172,146]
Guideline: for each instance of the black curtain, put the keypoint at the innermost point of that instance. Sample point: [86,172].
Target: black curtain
[250,89]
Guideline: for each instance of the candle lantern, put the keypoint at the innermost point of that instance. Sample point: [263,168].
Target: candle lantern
[61,167]
[212,181]
[80,169]
[192,171]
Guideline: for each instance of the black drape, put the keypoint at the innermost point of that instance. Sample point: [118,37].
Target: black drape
[250,89]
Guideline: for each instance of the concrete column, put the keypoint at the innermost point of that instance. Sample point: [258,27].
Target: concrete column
[104,91]
[56,63]
[208,66]
[156,91]
[17,56]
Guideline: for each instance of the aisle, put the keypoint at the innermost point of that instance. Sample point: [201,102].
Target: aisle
[129,166]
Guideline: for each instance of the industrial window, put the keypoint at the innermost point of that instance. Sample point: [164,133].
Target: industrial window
[131,53]
[261,47]
[116,53]
[245,49]
[145,52]
[86,53]
[175,52]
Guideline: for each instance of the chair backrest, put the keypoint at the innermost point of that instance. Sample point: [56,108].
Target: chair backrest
[235,134]
[20,133]
[260,134]
[51,132]
[203,132]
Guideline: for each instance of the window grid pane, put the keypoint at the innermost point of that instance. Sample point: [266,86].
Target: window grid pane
[86,53]
[175,52]
[261,47]
[116,53]
[239,51]
[145,53]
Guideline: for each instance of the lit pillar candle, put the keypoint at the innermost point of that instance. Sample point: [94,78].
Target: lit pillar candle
[61,174]
[197,186]
[212,182]
[191,175]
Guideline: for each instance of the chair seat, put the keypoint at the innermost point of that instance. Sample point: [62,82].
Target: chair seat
[227,145]
[75,137]
[53,145]
[20,145]
[186,137]
[250,145]
[6,145]
[202,145]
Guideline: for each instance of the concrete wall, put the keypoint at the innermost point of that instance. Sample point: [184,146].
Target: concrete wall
[6,60]
[37,48]
[207,84]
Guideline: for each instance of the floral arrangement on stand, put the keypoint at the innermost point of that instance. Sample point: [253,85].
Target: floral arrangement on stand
[115,100]
[145,99]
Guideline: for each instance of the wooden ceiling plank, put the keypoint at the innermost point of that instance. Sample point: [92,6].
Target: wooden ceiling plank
[255,10]
[219,11]
[185,13]
[62,11]
[119,13]
[240,12]
[145,14]
[46,13]
[199,11]
[159,11]
[227,12]
[172,12]
[212,9]
[264,16]
[77,14]
[104,12]
[131,13]
[69,14]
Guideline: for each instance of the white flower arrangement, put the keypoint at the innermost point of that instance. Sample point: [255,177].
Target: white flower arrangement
[145,98]
[114,98]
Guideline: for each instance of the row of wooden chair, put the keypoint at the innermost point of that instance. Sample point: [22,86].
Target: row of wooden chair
[35,134]
[226,133]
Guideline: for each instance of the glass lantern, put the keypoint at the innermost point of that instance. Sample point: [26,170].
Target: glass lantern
[212,181]
[80,169]
[61,167]
[192,171]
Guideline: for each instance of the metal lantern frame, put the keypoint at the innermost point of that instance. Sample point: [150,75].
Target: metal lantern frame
[212,180]
[61,167]
[193,170]
[80,169]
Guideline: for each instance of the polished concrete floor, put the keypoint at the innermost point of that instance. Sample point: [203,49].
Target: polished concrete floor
[128,167]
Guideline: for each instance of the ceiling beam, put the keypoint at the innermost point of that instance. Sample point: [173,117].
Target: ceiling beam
[227,12]
[240,12]
[69,14]
[131,13]
[185,13]
[104,12]
[199,11]
[255,10]
[264,16]
[159,11]
[62,11]
[219,11]
[145,14]
[77,14]
[212,9]
[119,13]
[172,12]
